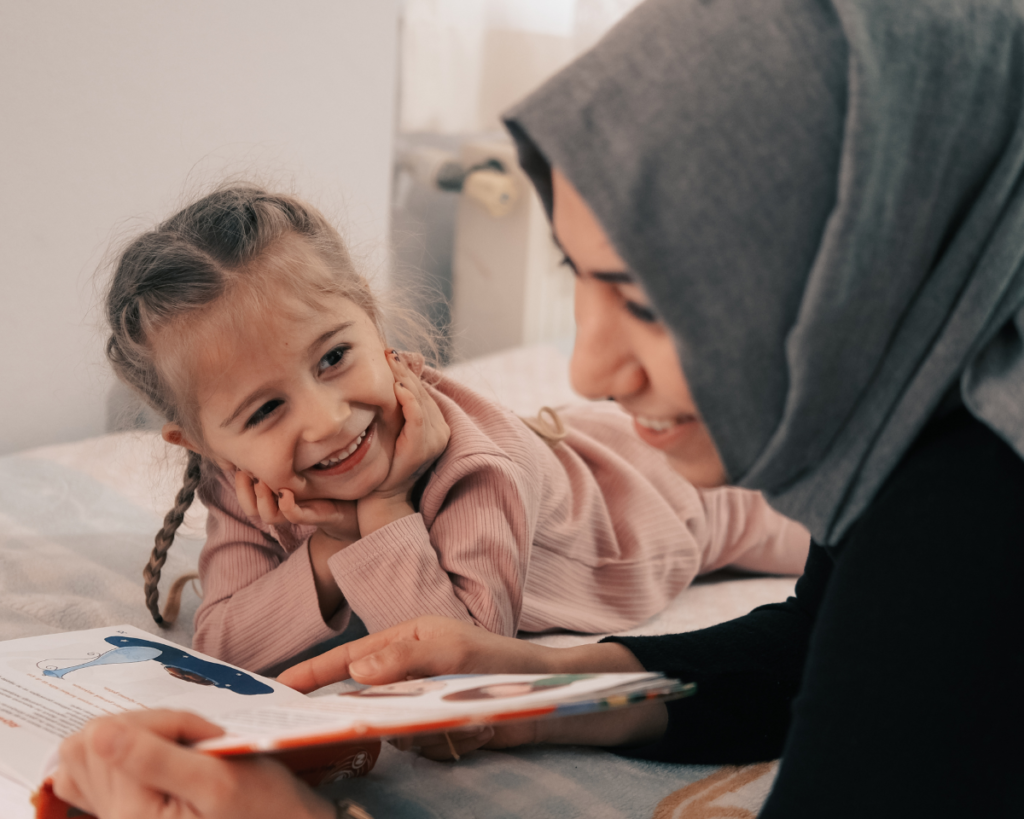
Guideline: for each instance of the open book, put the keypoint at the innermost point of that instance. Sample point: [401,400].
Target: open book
[51,686]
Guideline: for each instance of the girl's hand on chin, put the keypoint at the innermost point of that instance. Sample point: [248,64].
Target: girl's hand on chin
[335,518]
[423,438]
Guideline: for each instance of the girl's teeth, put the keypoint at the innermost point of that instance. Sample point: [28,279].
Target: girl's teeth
[654,423]
[351,448]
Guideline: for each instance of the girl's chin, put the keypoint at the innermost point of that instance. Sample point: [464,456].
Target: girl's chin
[355,484]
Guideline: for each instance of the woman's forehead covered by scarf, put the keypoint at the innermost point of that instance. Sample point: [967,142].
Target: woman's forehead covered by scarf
[821,200]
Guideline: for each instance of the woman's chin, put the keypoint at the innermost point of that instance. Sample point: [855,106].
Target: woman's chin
[702,468]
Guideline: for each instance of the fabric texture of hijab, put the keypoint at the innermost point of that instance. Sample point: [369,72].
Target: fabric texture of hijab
[823,202]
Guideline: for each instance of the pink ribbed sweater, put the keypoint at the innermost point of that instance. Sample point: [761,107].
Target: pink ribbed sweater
[594,535]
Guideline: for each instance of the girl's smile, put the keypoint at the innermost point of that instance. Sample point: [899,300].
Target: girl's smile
[348,458]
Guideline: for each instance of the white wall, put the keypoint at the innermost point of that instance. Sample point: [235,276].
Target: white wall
[110,111]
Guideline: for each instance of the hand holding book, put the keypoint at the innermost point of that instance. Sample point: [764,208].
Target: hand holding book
[134,765]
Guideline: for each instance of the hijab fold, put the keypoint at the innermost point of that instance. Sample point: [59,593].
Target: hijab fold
[823,200]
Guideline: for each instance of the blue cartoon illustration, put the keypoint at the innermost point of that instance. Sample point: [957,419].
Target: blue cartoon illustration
[176,662]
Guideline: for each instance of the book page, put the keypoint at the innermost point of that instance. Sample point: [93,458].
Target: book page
[15,800]
[417,705]
[51,686]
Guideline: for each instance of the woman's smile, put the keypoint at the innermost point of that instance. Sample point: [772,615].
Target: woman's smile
[664,434]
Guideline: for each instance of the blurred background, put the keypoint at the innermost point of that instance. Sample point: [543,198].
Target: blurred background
[383,113]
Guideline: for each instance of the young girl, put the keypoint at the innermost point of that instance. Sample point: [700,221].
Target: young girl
[342,476]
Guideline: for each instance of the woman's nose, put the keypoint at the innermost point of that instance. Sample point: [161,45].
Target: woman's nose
[603,365]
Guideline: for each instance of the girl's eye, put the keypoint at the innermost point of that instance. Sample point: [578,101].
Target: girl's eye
[263,413]
[641,312]
[567,262]
[333,358]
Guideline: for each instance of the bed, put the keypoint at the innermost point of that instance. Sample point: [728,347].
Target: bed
[76,526]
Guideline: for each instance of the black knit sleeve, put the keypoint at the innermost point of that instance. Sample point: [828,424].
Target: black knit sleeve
[747,672]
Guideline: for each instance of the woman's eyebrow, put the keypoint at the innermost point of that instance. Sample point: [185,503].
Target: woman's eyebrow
[614,276]
[609,276]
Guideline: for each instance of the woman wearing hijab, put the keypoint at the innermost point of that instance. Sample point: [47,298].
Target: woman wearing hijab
[798,232]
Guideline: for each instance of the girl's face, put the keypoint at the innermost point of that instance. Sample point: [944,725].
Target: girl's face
[622,350]
[302,398]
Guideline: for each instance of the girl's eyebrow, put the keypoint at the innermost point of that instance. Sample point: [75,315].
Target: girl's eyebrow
[244,403]
[262,388]
[324,336]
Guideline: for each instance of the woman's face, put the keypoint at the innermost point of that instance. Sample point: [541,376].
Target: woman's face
[622,350]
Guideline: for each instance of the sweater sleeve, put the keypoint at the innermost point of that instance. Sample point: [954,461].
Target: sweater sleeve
[471,565]
[260,603]
[744,532]
[747,672]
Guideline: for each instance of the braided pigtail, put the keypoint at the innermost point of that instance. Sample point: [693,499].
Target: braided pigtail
[164,539]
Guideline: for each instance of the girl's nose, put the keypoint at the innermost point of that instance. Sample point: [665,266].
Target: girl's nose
[325,415]
[603,365]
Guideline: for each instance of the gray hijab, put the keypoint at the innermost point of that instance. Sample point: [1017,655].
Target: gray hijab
[824,200]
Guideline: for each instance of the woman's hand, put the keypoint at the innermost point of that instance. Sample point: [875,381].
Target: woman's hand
[423,438]
[131,766]
[431,646]
[425,647]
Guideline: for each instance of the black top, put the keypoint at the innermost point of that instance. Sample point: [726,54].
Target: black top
[905,644]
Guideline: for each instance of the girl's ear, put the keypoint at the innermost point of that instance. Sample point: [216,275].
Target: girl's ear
[173,434]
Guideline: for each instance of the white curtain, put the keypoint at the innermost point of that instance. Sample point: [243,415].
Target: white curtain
[464,61]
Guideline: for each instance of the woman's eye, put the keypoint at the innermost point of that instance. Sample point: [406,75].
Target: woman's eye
[333,358]
[262,413]
[567,262]
[641,313]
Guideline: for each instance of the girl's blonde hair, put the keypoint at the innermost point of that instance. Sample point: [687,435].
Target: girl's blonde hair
[172,275]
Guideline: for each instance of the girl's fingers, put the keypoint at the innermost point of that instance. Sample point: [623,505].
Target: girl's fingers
[424,434]
[291,510]
[246,494]
[266,504]
[410,406]
[337,519]
[398,367]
